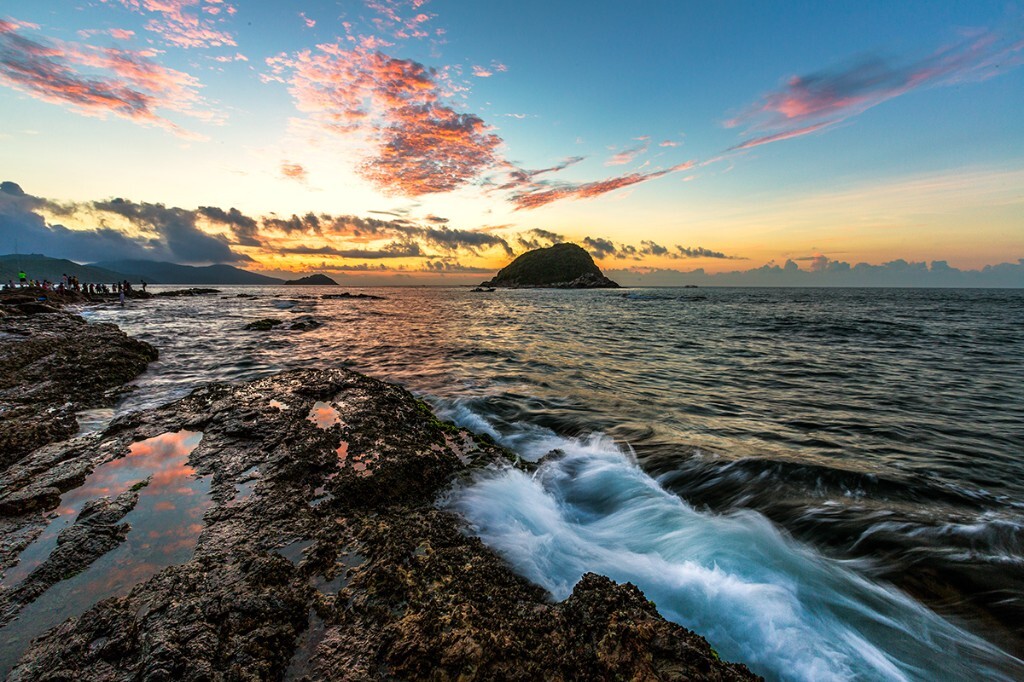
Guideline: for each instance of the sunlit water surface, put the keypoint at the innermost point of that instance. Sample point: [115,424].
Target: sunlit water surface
[828,484]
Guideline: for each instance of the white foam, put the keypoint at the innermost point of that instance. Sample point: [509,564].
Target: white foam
[756,594]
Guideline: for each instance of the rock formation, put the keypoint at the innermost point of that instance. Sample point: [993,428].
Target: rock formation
[563,266]
[313,280]
[323,555]
[52,365]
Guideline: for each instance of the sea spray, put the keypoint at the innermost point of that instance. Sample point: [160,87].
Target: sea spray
[758,596]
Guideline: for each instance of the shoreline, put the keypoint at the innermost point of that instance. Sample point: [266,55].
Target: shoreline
[320,551]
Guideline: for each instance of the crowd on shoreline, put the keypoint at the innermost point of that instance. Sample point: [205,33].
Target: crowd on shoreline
[71,283]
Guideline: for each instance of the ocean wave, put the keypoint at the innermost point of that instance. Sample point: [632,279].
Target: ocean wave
[759,596]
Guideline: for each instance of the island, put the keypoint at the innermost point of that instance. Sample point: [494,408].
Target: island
[562,266]
[313,280]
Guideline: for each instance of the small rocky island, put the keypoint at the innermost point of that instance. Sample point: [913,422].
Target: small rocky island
[313,280]
[562,266]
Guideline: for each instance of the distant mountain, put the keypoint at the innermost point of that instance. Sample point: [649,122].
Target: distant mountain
[565,266]
[158,272]
[313,280]
[38,266]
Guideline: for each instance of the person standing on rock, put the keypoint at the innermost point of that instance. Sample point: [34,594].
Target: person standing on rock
[22,278]
[121,297]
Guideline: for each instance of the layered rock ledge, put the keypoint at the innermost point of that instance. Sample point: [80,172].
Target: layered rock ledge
[52,365]
[323,555]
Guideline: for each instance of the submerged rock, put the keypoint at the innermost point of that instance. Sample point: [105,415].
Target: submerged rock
[563,266]
[324,555]
[264,325]
[305,323]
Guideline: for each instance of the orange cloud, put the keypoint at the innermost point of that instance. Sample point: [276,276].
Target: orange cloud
[293,171]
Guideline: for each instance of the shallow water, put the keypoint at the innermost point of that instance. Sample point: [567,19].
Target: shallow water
[860,449]
[165,525]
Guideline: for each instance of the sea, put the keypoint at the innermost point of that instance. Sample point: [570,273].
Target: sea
[827,484]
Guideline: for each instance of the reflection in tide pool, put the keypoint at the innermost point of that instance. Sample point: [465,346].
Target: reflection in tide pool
[323,415]
[165,526]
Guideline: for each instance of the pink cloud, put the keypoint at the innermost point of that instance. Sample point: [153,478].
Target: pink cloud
[420,144]
[310,23]
[129,84]
[180,22]
[809,103]
[541,195]
[626,155]
[481,72]
[668,143]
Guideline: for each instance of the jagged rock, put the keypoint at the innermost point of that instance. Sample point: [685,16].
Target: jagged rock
[96,531]
[29,500]
[333,562]
[563,266]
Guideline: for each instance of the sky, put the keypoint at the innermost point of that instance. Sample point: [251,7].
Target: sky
[432,141]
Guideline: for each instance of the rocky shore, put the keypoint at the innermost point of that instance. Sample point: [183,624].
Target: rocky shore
[318,551]
[52,365]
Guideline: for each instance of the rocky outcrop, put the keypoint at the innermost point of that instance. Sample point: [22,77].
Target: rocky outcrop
[325,556]
[53,364]
[563,266]
[313,280]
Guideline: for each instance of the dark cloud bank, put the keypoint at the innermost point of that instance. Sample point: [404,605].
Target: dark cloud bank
[168,234]
[172,234]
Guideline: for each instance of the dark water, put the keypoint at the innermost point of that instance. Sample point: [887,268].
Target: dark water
[785,468]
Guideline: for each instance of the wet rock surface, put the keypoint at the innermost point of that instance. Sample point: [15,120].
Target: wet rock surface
[263,325]
[53,364]
[325,556]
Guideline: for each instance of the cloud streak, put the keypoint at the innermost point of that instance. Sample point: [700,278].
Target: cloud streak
[540,195]
[809,103]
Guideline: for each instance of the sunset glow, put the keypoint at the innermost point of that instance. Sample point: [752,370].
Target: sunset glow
[424,141]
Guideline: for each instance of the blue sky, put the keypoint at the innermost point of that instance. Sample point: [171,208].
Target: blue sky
[758,132]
